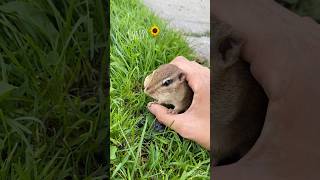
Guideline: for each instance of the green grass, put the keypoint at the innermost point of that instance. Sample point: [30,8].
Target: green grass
[309,8]
[142,153]
[52,89]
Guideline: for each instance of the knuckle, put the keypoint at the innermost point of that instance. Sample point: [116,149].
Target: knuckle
[194,63]
[307,18]
[179,58]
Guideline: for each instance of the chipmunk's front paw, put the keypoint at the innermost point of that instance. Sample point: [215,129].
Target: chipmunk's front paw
[171,111]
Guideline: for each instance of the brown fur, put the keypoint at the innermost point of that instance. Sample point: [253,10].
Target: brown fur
[239,103]
[178,93]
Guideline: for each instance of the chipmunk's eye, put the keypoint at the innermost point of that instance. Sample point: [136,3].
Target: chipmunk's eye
[167,82]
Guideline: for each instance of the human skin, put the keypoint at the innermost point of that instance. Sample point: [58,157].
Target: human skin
[194,124]
[283,50]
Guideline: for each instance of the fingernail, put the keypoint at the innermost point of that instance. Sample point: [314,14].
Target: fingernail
[149,104]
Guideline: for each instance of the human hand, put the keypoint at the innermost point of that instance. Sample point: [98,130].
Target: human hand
[283,51]
[194,124]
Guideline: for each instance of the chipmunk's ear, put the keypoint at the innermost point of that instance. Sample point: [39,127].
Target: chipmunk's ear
[228,50]
[181,77]
[226,44]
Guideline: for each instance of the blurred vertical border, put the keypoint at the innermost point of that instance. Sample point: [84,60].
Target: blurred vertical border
[54,82]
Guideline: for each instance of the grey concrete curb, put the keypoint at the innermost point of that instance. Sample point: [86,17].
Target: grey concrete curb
[191,17]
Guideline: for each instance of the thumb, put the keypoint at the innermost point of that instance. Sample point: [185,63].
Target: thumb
[170,120]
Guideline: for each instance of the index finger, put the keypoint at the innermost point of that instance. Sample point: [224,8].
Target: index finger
[191,69]
[184,64]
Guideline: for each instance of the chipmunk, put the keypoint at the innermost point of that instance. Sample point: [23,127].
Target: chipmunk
[168,86]
[239,102]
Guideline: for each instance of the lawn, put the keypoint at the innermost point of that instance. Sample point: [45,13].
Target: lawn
[137,150]
[309,8]
[53,89]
